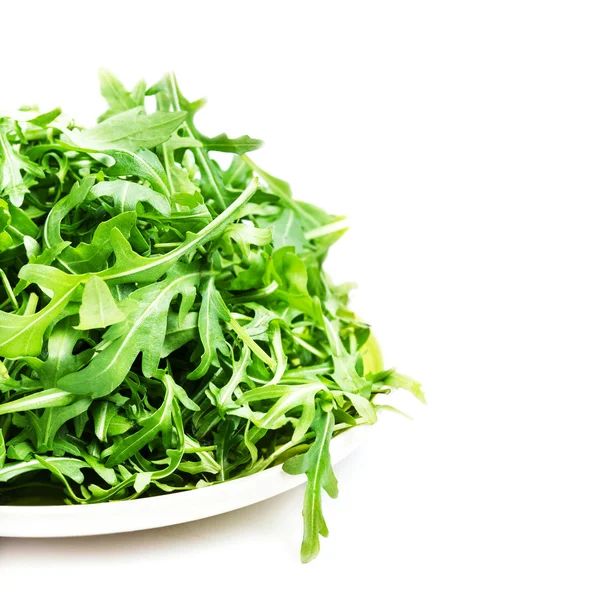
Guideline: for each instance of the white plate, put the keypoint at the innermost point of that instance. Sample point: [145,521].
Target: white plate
[170,509]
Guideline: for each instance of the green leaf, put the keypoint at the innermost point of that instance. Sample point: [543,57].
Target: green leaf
[44,119]
[179,332]
[22,335]
[141,163]
[277,186]
[211,182]
[130,267]
[46,399]
[102,413]
[222,143]
[143,331]
[212,311]
[84,257]
[291,276]
[398,381]
[310,216]
[158,422]
[291,398]
[126,195]
[316,463]
[183,190]
[129,130]
[98,307]
[46,427]
[20,451]
[2,450]
[223,396]
[70,467]
[225,440]
[107,474]
[5,217]
[12,163]
[238,174]
[363,407]
[114,93]
[287,231]
[345,374]
[60,358]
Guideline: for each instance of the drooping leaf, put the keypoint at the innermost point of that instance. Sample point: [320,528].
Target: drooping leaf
[316,463]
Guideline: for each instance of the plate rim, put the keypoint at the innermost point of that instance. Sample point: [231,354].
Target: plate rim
[104,518]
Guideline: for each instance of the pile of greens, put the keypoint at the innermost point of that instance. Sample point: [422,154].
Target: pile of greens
[166,323]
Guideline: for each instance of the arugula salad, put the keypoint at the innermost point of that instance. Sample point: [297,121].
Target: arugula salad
[165,322]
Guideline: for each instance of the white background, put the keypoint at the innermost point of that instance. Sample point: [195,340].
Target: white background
[463,138]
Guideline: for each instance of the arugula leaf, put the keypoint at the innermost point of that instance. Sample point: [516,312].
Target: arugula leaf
[159,421]
[130,267]
[126,195]
[222,143]
[129,130]
[345,374]
[289,272]
[12,183]
[2,450]
[179,332]
[117,96]
[316,463]
[44,119]
[143,331]
[102,413]
[22,335]
[46,427]
[212,310]
[287,231]
[290,398]
[141,163]
[222,397]
[60,359]
[46,399]
[85,256]
[98,307]
[71,467]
